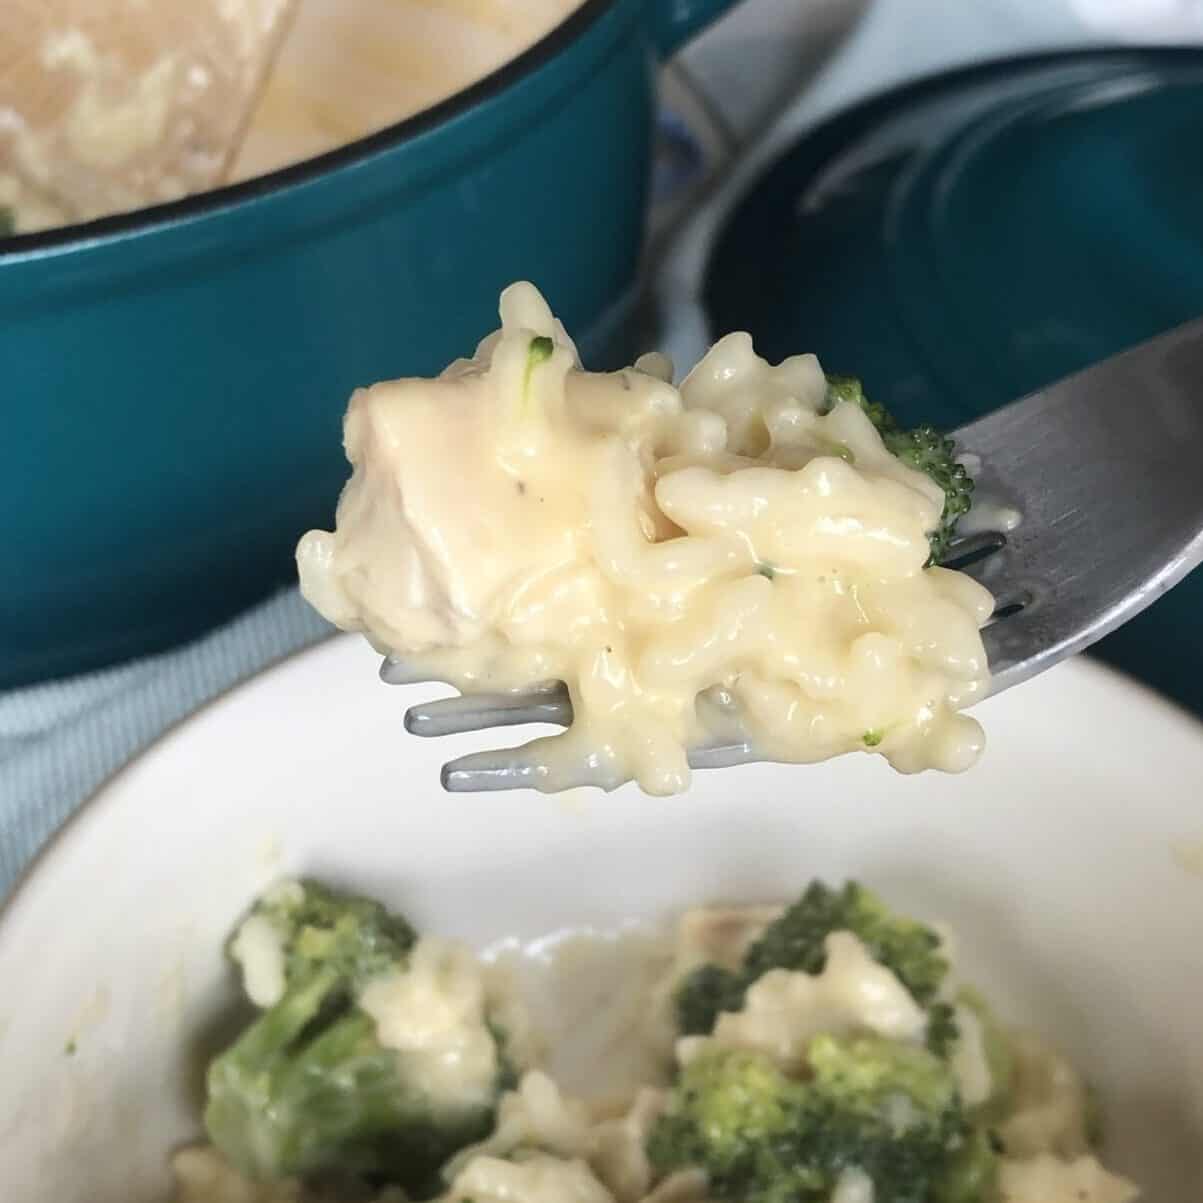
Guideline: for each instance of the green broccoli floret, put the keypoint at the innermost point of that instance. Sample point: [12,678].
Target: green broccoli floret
[849,388]
[924,448]
[735,1116]
[324,927]
[795,940]
[971,1174]
[890,1109]
[942,1031]
[885,1108]
[704,994]
[933,453]
[307,1088]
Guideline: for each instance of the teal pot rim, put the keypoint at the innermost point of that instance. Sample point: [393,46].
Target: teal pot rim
[104,232]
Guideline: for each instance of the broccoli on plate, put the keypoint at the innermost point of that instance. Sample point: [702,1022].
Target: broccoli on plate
[310,1087]
[796,941]
[878,1108]
[381,1061]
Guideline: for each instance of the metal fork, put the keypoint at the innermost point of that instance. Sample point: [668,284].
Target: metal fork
[1106,470]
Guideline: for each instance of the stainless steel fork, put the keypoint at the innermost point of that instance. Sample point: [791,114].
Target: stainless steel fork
[1105,471]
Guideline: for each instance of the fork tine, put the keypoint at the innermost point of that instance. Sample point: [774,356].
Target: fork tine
[722,756]
[507,768]
[513,768]
[474,712]
[395,671]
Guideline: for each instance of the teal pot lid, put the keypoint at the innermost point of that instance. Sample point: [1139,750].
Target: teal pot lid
[966,239]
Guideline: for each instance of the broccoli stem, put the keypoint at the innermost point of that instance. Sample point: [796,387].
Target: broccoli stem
[308,1088]
[276,1029]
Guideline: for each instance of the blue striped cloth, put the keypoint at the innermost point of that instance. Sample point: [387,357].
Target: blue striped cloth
[61,740]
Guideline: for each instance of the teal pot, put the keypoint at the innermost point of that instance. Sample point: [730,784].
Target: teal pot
[174,380]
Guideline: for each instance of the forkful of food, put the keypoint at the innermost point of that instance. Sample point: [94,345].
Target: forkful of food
[759,563]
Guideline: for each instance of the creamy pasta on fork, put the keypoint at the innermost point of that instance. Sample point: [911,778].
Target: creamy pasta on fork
[746,555]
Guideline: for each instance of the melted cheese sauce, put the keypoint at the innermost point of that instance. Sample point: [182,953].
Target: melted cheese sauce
[537,1179]
[435,1015]
[347,70]
[784,1011]
[258,948]
[1048,1179]
[344,70]
[723,559]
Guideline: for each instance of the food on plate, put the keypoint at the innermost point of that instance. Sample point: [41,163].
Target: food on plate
[848,1066]
[749,555]
[375,1051]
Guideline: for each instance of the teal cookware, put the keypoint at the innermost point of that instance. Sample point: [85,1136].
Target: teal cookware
[173,380]
[966,239]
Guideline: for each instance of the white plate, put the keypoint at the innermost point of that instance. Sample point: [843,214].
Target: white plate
[1062,861]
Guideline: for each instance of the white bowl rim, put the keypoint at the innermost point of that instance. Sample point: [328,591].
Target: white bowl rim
[108,793]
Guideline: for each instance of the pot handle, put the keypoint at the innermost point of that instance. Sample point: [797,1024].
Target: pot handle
[676,21]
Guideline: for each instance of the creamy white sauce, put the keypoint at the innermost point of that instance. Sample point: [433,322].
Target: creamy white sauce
[1050,1105]
[854,1186]
[989,514]
[784,1011]
[258,948]
[723,556]
[106,131]
[434,1013]
[98,116]
[347,70]
[994,509]
[539,1117]
[537,1179]
[344,70]
[618,1149]
[1048,1179]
